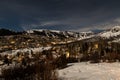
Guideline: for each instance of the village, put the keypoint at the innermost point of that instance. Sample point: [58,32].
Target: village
[28,51]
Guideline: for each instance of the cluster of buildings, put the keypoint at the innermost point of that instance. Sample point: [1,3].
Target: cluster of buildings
[15,42]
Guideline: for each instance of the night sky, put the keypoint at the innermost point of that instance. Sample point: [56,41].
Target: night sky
[73,15]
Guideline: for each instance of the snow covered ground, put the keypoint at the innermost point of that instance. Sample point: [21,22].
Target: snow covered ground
[113,32]
[87,71]
[14,52]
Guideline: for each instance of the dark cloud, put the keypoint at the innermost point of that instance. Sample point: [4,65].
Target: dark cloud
[58,14]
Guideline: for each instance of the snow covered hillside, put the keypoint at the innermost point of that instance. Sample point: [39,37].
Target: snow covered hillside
[87,71]
[105,34]
[113,32]
[57,33]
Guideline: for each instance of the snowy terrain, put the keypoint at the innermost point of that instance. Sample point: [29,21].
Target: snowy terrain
[113,32]
[14,52]
[87,71]
[117,41]
[57,33]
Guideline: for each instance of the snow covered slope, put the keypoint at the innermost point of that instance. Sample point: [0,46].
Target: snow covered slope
[113,32]
[87,71]
[56,33]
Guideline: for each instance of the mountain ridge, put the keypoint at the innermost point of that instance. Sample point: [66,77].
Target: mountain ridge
[112,33]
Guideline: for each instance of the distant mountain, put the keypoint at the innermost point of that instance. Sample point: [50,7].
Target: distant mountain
[111,33]
[49,33]
[56,33]
[6,32]
[96,31]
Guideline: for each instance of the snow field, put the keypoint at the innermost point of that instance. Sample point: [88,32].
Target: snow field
[87,71]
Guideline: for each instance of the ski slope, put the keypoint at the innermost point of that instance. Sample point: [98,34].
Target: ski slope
[87,71]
